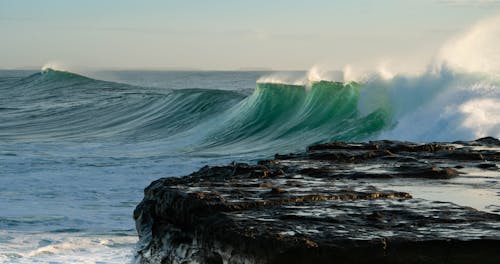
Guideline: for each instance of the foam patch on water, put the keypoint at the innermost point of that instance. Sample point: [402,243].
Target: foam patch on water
[23,247]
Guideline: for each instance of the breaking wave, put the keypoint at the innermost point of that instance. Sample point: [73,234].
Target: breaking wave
[438,105]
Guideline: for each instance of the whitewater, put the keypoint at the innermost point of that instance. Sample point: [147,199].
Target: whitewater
[76,150]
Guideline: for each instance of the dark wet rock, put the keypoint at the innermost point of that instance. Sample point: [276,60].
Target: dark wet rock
[487,166]
[488,141]
[320,207]
[485,141]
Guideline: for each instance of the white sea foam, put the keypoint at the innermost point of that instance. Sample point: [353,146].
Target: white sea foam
[444,107]
[314,74]
[24,247]
[284,77]
[54,65]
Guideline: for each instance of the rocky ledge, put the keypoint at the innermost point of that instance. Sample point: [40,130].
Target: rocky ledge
[320,206]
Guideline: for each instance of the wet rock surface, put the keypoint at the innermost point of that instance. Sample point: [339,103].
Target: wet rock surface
[320,206]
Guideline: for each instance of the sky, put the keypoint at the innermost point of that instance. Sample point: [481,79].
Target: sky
[230,34]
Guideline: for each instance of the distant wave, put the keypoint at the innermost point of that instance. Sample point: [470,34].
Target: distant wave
[58,105]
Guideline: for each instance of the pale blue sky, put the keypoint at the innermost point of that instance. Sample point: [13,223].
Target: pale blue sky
[228,34]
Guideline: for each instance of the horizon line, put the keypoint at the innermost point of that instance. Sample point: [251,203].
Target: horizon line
[179,69]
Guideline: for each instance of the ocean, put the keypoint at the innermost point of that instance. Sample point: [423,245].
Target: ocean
[77,149]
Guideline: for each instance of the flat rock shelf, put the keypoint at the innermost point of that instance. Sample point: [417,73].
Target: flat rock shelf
[323,206]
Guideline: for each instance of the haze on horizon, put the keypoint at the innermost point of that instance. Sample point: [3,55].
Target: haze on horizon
[228,35]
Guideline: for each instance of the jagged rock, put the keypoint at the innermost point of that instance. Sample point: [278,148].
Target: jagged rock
[311,207]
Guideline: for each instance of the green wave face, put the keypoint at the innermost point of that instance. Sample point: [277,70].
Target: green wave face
[258,116]
[285,116]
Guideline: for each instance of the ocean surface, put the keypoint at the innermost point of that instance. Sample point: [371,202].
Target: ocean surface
[77,149]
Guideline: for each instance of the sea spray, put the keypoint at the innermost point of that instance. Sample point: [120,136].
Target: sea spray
[476,50]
